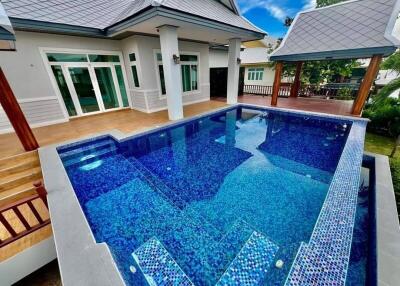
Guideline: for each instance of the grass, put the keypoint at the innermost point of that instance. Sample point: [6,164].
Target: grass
[384,145]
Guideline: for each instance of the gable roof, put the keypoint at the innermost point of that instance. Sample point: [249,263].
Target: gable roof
[102,14]
[352,29]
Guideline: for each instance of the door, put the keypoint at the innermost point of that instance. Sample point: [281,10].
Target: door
[107,87]
[218,82]
[83,88]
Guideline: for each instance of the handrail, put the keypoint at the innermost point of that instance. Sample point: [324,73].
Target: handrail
[14,235]
[266,90]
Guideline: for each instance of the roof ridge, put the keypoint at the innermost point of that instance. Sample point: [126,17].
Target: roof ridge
[330,6]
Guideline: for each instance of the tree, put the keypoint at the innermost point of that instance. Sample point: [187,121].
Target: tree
[288,21]
[386,106]
[324,3]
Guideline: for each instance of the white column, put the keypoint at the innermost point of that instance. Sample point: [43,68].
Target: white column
[172,71]
[233,71]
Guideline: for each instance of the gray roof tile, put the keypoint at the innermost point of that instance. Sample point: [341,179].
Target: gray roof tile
[352,25]
[101,14]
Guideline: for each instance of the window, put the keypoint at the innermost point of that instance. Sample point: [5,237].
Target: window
[161,73]
[132,59]
[61,57]
[255,74]
[104,58]
[189,71]
[189,67]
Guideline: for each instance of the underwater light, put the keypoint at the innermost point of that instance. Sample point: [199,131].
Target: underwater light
[92,165]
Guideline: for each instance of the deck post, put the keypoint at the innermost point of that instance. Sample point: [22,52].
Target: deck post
[294,91]
[277,83]
[16,116]
[366,84]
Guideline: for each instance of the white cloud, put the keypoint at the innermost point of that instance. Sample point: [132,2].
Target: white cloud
[278,12]
[309,4]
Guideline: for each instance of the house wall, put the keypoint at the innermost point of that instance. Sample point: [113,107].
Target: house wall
[268,78]
[218,59]
[148,96]
[27,75]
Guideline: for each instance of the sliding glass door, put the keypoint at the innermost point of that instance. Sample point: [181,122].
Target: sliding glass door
[89,83]
[84,89]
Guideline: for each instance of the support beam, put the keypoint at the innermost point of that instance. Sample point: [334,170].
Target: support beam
[366,84]
[277,83]
[233,71]
[16,116]
[172,71]
[294,91]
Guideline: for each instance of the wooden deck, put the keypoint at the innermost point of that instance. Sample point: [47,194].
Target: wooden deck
[337,107]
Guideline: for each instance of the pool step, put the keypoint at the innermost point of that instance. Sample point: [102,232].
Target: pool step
[87,158]
[87,149]
[157,265]
[252,263]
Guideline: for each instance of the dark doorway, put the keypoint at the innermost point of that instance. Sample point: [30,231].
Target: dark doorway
[218,82]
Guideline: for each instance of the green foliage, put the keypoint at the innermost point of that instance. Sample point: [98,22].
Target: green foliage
[323,3]
[395,168]
[392,62]
[385,117]
[317,72]
[385,92]
[345,93]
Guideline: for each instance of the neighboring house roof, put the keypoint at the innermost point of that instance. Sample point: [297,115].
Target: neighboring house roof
[254,56]
[264,43]
[352,29]
[386,76]
[100,14]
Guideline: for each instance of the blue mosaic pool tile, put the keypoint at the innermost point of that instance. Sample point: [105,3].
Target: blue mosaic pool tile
[78,151]
[85,142]
[324,260]
[251,264]
[158,266]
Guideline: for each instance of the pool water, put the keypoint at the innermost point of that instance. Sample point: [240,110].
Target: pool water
[223,199]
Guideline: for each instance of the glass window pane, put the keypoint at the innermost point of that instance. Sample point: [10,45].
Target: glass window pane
[62,85]
[121,84]
[84,89]
[193,76]
[132,57]
[249,76]
[60,57]
[159,57]
[162,79]
[107,87]
[186,78]
[188,58]
[261,75]
[135,76]
[104,58]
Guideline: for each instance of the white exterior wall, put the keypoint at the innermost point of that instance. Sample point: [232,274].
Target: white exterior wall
[148,96]
[218,59]
[27,75]
[268,77]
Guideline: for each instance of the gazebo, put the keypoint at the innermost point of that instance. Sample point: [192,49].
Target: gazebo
[357,29]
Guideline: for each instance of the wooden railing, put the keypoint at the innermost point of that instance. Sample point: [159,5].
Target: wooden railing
[15,210]
[266,90]
[334,91]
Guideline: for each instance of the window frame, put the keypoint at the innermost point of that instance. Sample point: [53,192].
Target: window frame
[158,63]
[135,64]
[255,74]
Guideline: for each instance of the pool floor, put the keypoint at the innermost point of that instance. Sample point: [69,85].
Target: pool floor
[210,199]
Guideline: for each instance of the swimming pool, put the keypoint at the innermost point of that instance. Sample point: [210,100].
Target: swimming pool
[236,197]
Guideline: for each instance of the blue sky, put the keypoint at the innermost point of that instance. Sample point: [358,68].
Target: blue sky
[269,15]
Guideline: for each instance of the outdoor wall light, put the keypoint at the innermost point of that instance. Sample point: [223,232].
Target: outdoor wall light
[239,61]
[177,59]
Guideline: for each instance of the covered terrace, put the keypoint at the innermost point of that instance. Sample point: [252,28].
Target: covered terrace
[349,30]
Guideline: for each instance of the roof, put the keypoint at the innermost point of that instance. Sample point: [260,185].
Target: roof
[265,43]
[101,14]
[352,29]
[6,31]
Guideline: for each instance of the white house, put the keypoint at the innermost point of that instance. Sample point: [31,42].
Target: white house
[99,56]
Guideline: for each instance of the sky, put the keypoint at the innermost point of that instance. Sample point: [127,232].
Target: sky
[270,15]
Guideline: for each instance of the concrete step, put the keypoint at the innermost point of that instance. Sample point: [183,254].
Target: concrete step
[20,178]
[13,161]
[158,266]
[17,193]
[27,164]
[251,265]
